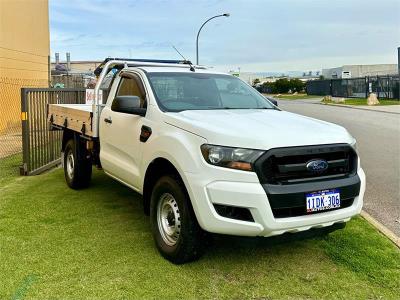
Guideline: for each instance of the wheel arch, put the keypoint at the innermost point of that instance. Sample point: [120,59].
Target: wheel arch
[157,168]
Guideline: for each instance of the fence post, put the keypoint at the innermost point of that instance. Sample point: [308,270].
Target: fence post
[49,69]
[379,86]
[24,169]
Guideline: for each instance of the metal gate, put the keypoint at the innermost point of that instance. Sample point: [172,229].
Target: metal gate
[385,87]
[349,88]
[40,147]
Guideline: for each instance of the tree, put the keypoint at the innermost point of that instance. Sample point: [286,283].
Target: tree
[256,81]
[283,85]
[296,85]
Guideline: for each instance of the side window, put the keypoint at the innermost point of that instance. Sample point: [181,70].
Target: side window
[130,87]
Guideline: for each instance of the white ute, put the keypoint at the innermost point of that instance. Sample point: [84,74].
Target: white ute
[209,154]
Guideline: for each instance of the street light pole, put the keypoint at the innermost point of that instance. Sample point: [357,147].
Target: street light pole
[198,33]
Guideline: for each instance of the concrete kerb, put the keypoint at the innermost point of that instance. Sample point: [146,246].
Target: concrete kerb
[360,108]
[381,228]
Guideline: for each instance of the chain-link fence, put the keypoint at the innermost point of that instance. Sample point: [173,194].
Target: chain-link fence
[70,81]
[10,123]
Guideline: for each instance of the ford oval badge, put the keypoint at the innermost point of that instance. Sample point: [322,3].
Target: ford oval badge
[317,165]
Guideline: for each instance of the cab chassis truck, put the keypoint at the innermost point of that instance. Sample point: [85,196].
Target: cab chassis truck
[209,154]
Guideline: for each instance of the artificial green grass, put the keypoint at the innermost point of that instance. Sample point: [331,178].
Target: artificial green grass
[9,168]
[363,101]
[295,97]
[57,243]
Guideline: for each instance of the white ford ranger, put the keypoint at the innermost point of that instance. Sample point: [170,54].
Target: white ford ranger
[209,154]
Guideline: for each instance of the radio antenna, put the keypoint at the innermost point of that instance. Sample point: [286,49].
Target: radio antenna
[184,58]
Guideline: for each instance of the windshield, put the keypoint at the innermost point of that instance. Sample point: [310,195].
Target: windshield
[199,91]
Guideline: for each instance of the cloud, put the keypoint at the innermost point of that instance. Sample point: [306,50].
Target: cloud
[277,35]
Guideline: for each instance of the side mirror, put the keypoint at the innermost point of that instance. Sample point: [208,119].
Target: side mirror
[128,105]
[273,100]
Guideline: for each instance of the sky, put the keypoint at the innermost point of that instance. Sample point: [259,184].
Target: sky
[259,36]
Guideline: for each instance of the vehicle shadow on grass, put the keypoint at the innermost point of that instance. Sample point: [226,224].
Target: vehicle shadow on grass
[222,241]
[128,199]
[239,247]
[307,253]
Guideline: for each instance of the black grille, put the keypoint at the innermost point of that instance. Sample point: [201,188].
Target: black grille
[288,165]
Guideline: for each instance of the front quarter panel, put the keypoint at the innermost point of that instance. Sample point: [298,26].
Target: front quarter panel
[178,146]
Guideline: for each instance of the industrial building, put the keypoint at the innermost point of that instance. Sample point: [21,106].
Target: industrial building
[24,55]
[73,67]
[354,71]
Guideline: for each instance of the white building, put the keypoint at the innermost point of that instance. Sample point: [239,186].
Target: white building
[353,71]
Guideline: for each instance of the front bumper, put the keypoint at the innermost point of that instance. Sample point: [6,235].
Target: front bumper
[260,202]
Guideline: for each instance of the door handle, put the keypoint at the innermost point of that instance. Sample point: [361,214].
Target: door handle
[108,120]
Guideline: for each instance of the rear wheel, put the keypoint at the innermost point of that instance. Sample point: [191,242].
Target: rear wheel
[177,234]
[77,165]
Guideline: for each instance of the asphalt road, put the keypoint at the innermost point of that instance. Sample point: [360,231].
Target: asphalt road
[378,141]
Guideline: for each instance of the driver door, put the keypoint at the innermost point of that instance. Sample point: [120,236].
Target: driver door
[121,149]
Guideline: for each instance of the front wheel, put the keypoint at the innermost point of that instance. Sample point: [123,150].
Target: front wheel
[77,167]
[177,234]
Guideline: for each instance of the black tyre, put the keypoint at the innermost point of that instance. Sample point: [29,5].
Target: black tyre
[177,234]
[77,166]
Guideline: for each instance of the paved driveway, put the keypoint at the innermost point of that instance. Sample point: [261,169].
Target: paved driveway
[378,139]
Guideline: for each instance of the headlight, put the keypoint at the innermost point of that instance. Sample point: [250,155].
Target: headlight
[354,144]
[228,157]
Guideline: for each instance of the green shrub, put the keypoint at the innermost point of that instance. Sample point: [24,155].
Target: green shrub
[284,85]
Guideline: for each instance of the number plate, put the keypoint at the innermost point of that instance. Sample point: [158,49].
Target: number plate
[323,200]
